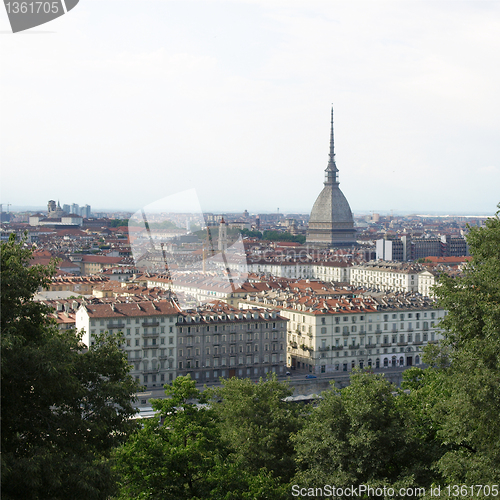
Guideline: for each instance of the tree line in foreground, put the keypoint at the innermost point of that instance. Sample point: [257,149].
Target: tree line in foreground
[67,430]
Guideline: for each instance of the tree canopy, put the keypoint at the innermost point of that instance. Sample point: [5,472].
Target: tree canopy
[63,409]
[181,454]
[469,402]
[257,424]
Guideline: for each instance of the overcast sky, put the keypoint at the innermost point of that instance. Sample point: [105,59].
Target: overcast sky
[120,103]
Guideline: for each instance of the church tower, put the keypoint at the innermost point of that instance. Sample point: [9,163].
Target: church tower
[331,223]
[223,235]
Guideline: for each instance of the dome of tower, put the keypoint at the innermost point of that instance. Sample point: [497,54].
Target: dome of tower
[331,206]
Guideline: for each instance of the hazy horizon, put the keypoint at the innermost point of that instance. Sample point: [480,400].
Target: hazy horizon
[123,103]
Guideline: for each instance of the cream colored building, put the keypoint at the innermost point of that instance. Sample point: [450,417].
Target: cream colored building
[150,335]
[426,280]
[338,334]
[385,276]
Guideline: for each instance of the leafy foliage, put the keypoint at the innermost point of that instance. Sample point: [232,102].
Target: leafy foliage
[257,424]
[180,454]
[278,236]
[247,233]
[359,435]
[62,410]
[469,409]
[174,452]
[118,222]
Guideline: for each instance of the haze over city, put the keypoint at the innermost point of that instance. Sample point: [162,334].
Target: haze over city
[118,104]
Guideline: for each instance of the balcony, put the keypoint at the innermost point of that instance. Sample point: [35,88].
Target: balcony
[394,330]
[354,346]
[326,348]
[386,345]
[371,346]
[417,342]
[345,334]
[337,348]
[156,323]
[402,343]
[121,326]
[293,345]
[144,334]
[409,330]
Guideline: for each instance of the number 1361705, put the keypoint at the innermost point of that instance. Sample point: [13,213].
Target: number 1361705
[32,7]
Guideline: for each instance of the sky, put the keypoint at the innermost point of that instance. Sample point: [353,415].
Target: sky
[121,103]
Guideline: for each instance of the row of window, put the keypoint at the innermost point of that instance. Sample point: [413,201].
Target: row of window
[155,365]
[230,327]
[128,331]
[402,326]
[394,339]
[241,372]
[402,317]
[394,361]
[146,342]
[233,361]
[146,353]
[231,349]
[241,337]
[128,321]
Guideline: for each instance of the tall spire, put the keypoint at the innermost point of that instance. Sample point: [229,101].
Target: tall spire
[331,170]
[332,147]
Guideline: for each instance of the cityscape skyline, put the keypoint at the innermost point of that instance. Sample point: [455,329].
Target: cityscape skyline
[233,100]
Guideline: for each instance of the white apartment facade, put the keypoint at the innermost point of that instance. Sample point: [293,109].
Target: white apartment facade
[150,335]
[426,280]
[382,277]
[332,335]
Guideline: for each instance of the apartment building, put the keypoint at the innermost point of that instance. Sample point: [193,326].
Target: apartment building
[296,269]
[217,340]
[339,271]
[150,335]
[337,334]
[402,248]
[426,280]
[386,276]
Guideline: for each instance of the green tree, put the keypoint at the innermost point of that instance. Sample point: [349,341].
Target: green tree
[359,435]
[247,233]
[470,405]
[118,222]
[172,456]
[63,410]
[180,454]
[257,424]
[278,236]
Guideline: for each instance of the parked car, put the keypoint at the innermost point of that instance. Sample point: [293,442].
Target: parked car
[311,376]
